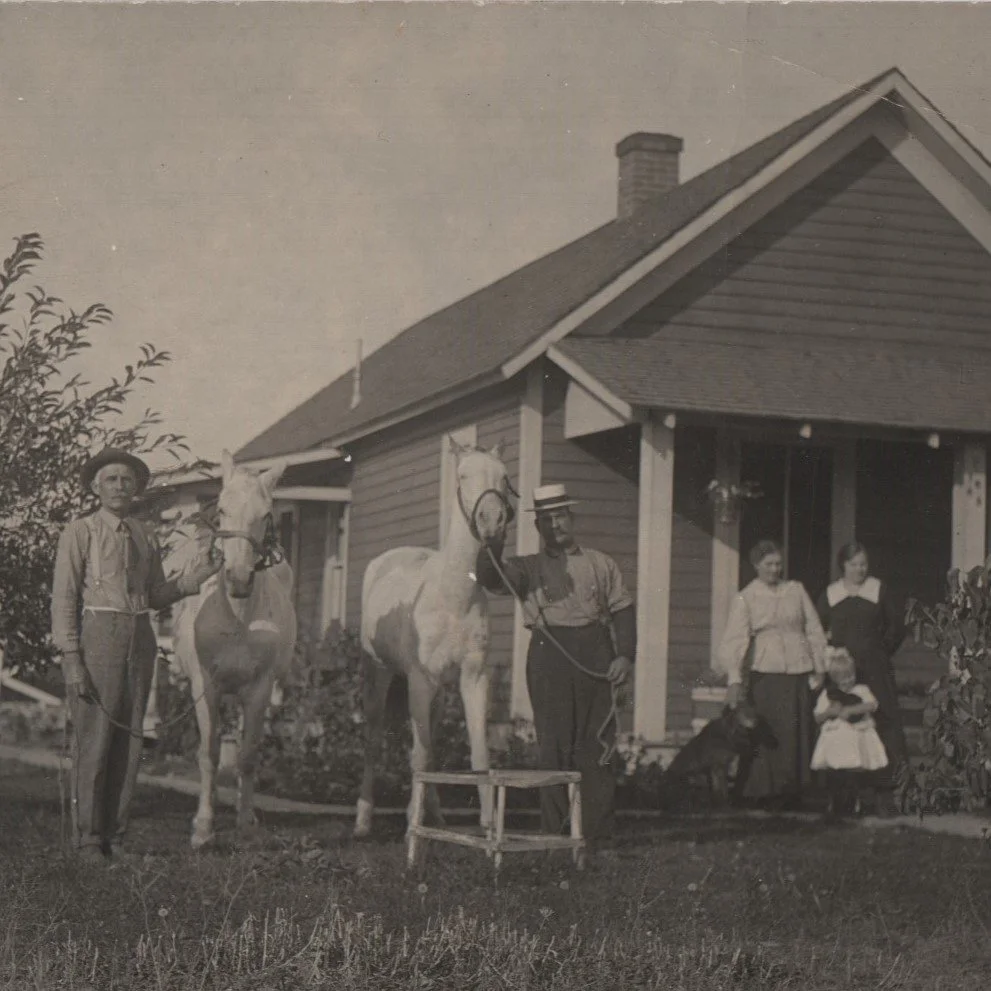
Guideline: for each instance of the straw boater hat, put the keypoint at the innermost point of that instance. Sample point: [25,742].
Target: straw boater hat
[547,497]
[115,456]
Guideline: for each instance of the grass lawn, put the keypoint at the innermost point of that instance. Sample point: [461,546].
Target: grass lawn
[697,903]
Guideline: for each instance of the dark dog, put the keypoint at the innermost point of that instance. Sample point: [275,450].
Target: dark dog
[712,752]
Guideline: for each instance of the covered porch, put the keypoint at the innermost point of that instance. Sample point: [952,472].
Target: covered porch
[875,451]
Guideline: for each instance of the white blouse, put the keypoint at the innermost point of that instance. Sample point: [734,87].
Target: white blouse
[788,637]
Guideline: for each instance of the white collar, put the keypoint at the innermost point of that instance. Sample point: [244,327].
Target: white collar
[870,590]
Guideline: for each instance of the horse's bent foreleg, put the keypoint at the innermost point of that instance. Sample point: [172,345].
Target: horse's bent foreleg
[475,696]
[254,702]
[208,719]
[375,689]
[422,693]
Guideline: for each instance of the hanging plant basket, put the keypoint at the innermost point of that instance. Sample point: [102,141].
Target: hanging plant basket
[727,497]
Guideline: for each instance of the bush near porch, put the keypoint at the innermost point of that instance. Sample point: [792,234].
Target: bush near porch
[955,771]
[313,747]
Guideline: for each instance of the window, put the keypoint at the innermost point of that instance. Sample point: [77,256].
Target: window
[287,530]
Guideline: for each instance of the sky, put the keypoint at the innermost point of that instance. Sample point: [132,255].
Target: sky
[257,187]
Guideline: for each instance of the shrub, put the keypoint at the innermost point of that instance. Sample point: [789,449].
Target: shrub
[32,724]
[51,420]
[314,747]
[956,768]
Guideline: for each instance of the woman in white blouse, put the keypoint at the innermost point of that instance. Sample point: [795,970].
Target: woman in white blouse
[778,618]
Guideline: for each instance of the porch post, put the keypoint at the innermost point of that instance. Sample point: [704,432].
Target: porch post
[653,577]
[330,583]
[725,545]
[527,538]
[969,507]
[843,522]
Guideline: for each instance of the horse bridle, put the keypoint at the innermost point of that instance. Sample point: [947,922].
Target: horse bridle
[500,494]
[268,550]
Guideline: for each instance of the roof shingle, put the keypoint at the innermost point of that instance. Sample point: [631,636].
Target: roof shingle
[889,384]
[472,338]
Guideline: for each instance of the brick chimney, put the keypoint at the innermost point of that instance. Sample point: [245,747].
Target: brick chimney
[648,168]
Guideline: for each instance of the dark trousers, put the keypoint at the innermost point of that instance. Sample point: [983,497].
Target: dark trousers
[778,766]
[118,651]
[569,708]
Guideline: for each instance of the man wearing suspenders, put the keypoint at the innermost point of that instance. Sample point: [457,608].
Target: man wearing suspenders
[573,598]
[108,579]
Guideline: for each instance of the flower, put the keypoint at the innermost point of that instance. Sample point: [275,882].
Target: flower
[693,887]
[163,912]
[546,912]
[422,888]
[564,885]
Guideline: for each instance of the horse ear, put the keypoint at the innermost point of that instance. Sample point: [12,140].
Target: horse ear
[456,448]
[270,478]
[499,448]
[226,465]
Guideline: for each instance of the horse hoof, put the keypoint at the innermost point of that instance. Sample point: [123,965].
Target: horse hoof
[363,820]
[201,840]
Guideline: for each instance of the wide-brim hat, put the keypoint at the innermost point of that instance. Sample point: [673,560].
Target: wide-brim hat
[548,497]
[115,456]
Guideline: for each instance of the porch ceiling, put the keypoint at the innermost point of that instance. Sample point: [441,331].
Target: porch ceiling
[878,383]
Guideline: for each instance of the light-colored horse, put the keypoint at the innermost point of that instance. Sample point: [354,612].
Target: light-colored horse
[236,637]
[423,615]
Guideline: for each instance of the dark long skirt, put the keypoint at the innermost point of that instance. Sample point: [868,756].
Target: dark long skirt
[778,766]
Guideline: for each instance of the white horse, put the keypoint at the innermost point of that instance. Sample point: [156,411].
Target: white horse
[236,637]
[422,615]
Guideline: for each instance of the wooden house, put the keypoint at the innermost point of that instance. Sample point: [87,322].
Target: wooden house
[812,315]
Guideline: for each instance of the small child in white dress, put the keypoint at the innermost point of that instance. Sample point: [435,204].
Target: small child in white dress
[848,743]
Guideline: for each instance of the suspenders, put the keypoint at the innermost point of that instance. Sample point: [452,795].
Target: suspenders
[96,566]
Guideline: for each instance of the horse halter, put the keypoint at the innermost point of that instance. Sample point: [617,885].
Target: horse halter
[500,494]
[268,549]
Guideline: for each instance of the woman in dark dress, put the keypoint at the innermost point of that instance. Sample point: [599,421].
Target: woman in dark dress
[856,613]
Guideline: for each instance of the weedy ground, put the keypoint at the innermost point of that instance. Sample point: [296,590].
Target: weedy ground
[700,903]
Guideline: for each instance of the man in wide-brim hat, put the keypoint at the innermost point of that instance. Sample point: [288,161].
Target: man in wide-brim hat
[578,596]
[108,578]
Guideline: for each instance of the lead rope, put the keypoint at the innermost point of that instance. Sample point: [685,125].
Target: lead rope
[608,745]
[93,696]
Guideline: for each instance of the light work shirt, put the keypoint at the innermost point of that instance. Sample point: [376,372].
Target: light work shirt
[784,625]
[572,588]
[105,563]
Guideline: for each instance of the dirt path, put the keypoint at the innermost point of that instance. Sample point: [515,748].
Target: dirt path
[955,824]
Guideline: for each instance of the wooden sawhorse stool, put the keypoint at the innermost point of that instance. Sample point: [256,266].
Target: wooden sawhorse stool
[496,841]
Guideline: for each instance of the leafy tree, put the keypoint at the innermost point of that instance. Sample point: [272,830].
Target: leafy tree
[956,769]
[51,421]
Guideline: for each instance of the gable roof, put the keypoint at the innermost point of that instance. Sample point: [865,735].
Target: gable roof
[467,345]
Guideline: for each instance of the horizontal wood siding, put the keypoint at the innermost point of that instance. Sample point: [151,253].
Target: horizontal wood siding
[691,572]
[863,250]
[503,425]
[395,499]
[309,568]
[602,471]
